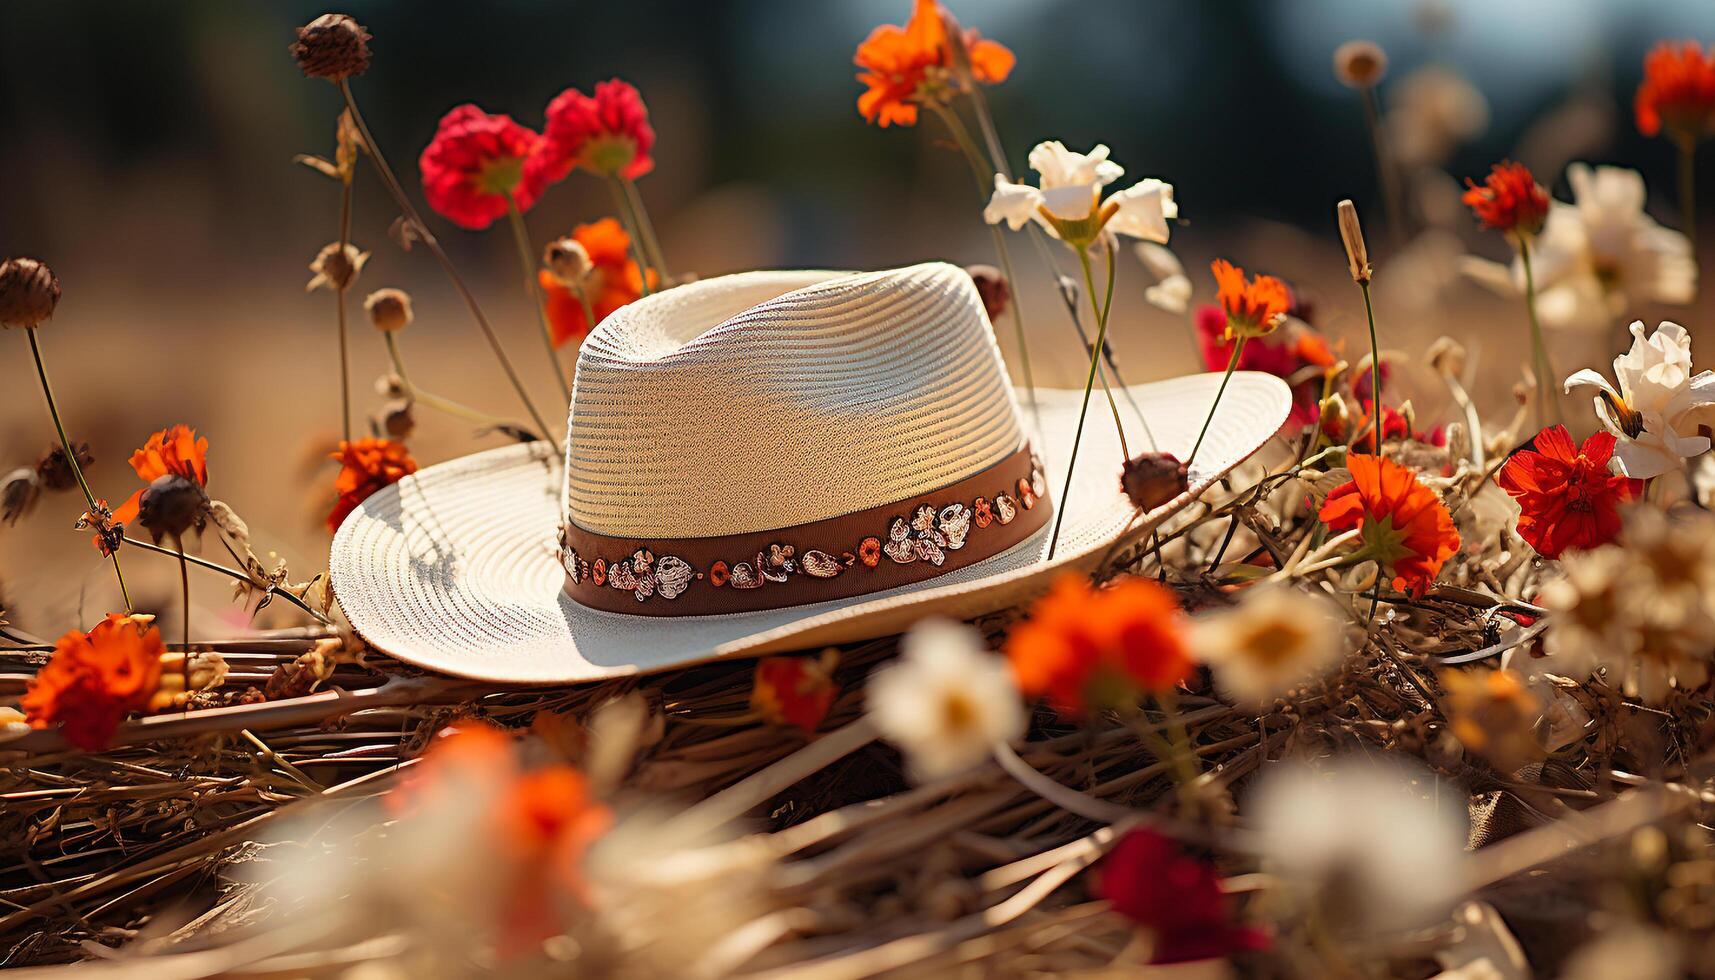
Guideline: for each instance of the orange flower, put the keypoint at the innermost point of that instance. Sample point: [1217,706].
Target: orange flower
[613,281]
[1087,648]
[1406,528]
[1254,308]
[908,66]
[176,451]
[1678,90]
[1509,199]
[95,679]
[366,465]
[795,691]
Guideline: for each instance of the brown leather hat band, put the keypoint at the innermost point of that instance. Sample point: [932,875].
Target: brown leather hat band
[853,554]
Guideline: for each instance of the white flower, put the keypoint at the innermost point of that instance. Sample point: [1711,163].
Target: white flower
[1172,289]
[946,701]
[1376,843]
[1658,403]
[1067,200]
[1275,638]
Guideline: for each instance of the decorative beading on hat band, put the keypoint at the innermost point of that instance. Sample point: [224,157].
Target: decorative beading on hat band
[866,551]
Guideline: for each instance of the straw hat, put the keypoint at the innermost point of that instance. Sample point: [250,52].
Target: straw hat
[764,462]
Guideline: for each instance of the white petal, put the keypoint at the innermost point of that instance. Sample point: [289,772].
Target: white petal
[1588,377]
[1070,202]
[1015,204]
[1159,260]
[1172,294]
[1491,275]
[1640,461]
[1144,209]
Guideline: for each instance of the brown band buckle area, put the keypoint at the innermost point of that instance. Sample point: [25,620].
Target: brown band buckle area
[866,551]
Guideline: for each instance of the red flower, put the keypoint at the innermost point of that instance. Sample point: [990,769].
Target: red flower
[1285,358]
[1175,896]
[476,162]
[607,134]
[95,679]
[1253,308]
[794,691]
[1567,497]
[1509,199]
[1406,527]
[174,451]
[613,281]
[906,66]
[366,465]
[1678,90]
[1084,648]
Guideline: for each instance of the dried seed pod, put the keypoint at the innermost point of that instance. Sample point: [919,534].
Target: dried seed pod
[993,288]
[567,259]
[171,506]
[1360,64]
[336,268]
[396,419]
[1152,479]
[29,291]
[389,309]
[333,46]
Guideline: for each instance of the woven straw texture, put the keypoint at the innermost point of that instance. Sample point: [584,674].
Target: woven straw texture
[454,569]
[768,399]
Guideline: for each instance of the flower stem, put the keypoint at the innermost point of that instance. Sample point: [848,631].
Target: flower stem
[71,454]
[623,204]
[533,289]
[1083,411]
[1547,404]
[651,243]
[229,572]
[1391,197]
[185,627]
[339,304]
[430,398]
[1376,420]
[1232,362]
[1688,188]
[1101,313]
[429,241]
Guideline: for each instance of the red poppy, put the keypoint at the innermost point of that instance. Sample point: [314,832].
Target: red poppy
[1509,199]
[1567,497]
[1254,308]
[1406,528]
[613,281]
[794,691]
[1085,648]
[1678,91]
[905,66]
[175,451]
[476,162]
[1176,897]
[607,134]
[95,679]
[366,465]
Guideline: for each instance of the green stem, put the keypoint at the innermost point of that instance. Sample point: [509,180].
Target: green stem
[429,398]
[339,302]
[1232,362]
[1548,402]
[1376,421]
[71,454]
[623,204]
[1101,313]
[429,241]
[651,243]
[533,289]
[185,631]
[1083,411]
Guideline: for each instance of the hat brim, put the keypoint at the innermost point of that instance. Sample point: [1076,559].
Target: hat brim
[454,569]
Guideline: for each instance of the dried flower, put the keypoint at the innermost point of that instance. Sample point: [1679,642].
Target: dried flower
[1275,638]
[180,682]
[336,268]
[389,309]
[333,46]
[397,419]
[795,691]
[1152,479]
[1405,527]
[19,491]
[1360,64]
[1494,714]
[175,451]
[1068,202]
[946,701]
[479,166]
[1255,308]
[568,260]
[614,280]
[1658,399]
[1678,91]
[366,466]
[1509,199]
[1175,897]
[906,67]
[56,470]
[95,679]
[29,291]
[992,286]
[1086,649]
[1586,602]
[1567,497]
[1352,236]
[607,134]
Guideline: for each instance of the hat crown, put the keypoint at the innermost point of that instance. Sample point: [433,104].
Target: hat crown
[771,399]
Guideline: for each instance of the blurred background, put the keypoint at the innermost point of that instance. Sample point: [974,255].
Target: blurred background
[146,154]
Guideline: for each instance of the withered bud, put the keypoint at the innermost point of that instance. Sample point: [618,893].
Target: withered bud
[1352,236]
[390,385]
[19,491]
[29,291]
[55,468]
[389,309]
[333,46]
[1447,357]
[396,419]
[336,269]
[567,259]
[1152,479]
[993,288]
[171,506]
[1360,64]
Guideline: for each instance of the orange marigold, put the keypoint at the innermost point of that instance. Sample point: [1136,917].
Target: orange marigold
[175,451]
[95,679]
[1678,91]
[907,66]
[1405,526]
[1254,308]
[1509,199]
[366,465]
[1085,648]
[612,281]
